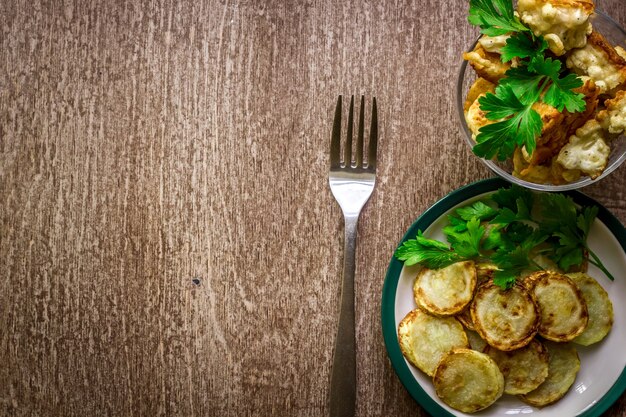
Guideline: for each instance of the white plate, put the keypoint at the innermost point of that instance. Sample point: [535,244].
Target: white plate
[602,376]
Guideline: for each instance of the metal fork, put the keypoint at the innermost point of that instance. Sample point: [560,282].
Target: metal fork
[351,182]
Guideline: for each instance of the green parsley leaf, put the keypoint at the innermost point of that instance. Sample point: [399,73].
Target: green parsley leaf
[500,138]
[478,210]
[504,103]
[519,232]
[545,66]
[495,239]
[511,263]
[505,278]
[568,252]
[585,220]
[560,217]
[467,244]
[522,225]
[514,197]
[557,211]
[559,94]
[429,252]
[525,84]
[456,225]
[523,45]
[494,17]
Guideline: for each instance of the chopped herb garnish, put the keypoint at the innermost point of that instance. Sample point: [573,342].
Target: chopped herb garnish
[509,229]
[535,78]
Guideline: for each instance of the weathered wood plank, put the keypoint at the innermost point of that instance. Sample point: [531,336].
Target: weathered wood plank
[169,243]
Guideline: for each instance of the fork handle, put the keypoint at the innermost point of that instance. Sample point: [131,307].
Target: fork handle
[343,374]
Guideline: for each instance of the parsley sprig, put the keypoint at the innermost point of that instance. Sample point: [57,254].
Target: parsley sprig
[536,78]
[509,229]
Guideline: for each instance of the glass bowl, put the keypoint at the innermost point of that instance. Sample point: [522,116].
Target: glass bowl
[616,35]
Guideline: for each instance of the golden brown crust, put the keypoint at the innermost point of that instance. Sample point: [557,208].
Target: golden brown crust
[506,319]
[424,338]
[599,306]
[599,60]
[586,5]
[613,103]
[558,128]
[612,106]
[486,64]
[468,380]
[597,40]
[564,313]
[481,86]
[563,366]
[523,369]
[446,291]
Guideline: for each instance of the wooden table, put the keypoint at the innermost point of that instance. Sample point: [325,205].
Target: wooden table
[169,244]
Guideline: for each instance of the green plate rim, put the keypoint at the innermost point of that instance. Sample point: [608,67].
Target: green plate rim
[388,320]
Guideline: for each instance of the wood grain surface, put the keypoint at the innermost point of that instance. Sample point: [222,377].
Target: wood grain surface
[169,245]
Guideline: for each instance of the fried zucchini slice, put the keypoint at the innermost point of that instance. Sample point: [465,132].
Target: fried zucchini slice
[562,369]
[599,307]
[563,309]
[468,381]
[523,369]
[445,291]
[475,341]
[424,339]
[507,320]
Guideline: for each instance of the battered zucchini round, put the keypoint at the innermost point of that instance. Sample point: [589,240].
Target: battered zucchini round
[523,369]
[445,291]
[599,307]
[468,380]
[563,309]
[424,338]
[506,319]
[476,342]
[562,369]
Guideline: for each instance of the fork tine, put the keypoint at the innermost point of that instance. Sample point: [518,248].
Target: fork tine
[373,145]
[359,142]
[347,152]
[335,140]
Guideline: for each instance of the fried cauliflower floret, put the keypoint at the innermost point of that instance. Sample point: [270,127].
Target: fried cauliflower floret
[613,118]
[601,62]
[586,151]
[486,64]
[563,23]
[493,44]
